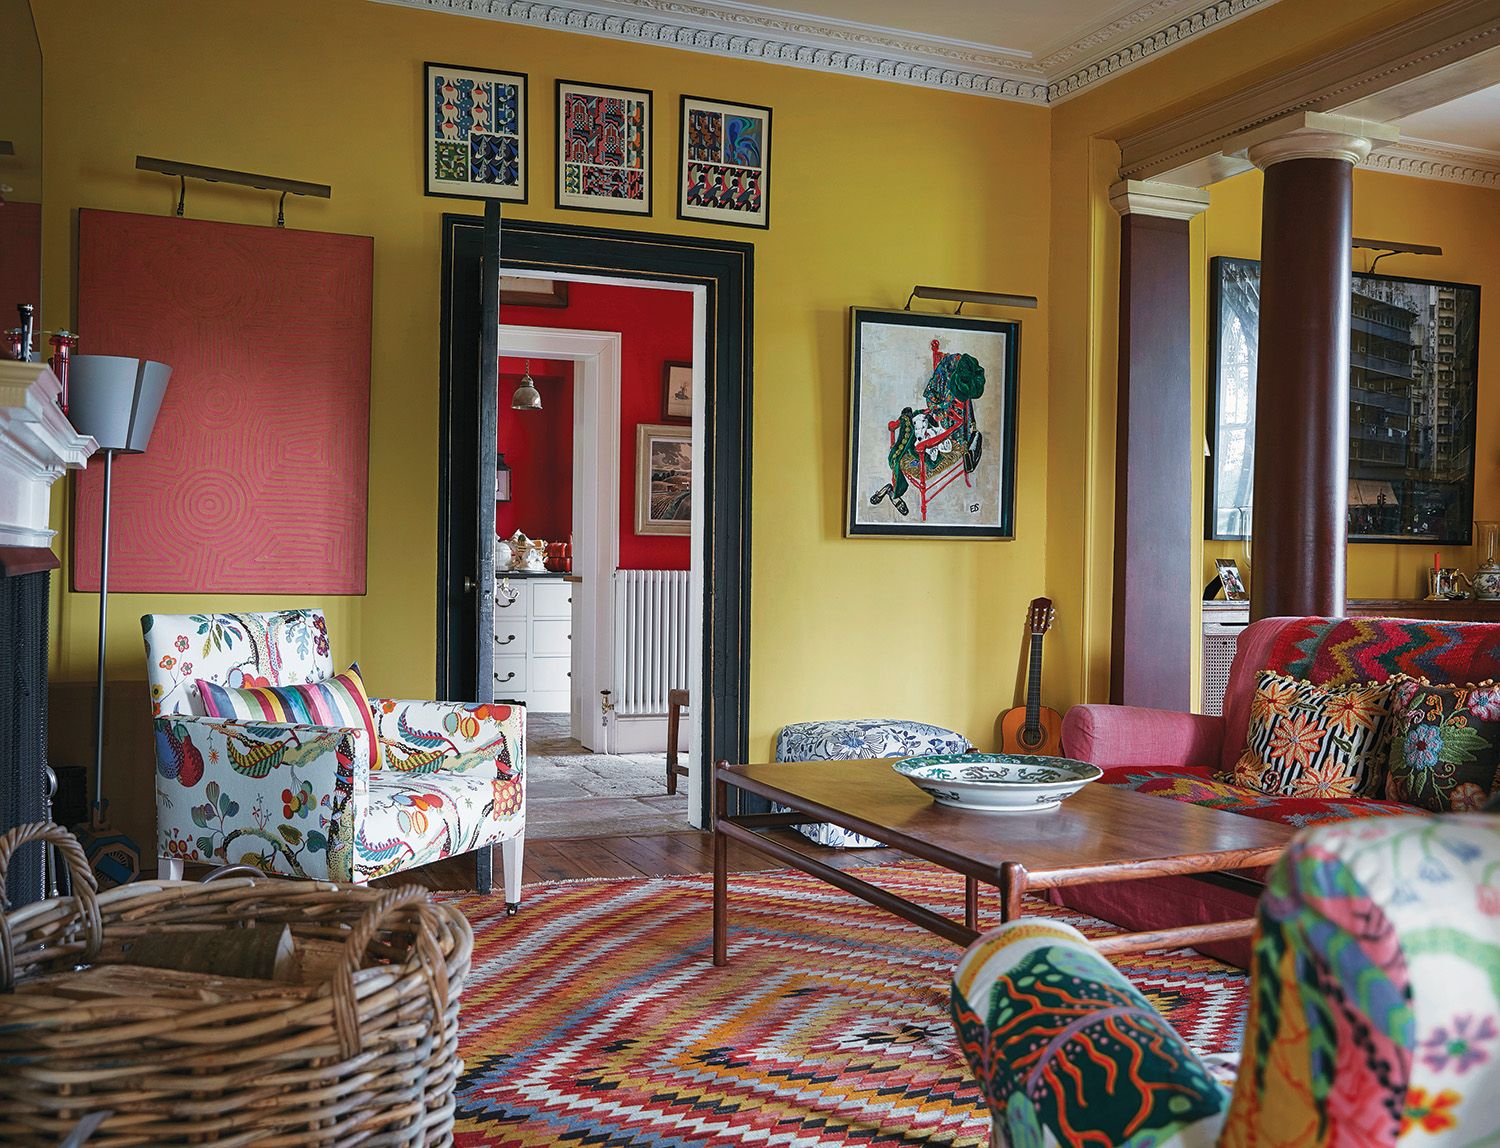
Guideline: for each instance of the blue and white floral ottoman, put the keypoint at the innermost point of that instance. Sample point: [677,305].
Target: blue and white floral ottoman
[848,740]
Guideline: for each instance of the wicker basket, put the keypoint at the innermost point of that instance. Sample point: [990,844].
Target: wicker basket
[369,1056]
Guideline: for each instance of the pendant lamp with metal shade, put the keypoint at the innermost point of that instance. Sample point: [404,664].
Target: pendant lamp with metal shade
[114,399]
[526,397]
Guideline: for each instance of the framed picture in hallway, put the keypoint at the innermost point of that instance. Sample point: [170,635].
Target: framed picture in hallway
[663,479]
[603,148]
[724,163]
[475,129]
[932,426]
[1413,388]
[677,392]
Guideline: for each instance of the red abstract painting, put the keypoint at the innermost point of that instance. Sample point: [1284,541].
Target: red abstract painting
[256,477]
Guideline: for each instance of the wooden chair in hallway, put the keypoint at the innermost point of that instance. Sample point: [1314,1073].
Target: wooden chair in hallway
[677,701]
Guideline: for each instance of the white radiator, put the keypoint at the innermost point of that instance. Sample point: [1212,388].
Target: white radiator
[651,639]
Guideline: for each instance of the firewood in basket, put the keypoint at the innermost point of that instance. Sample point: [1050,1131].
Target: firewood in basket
[265,953]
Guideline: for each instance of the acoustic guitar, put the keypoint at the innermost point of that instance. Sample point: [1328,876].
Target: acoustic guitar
[1033,728]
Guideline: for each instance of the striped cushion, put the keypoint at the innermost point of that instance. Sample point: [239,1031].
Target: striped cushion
[340,702]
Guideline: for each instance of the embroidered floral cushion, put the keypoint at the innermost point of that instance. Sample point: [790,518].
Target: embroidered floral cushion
[1445,744]
[340,702]
[1314,741]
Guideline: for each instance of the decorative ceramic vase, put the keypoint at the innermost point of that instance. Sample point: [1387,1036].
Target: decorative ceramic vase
[1487,582]
[1487,577]
[504,555]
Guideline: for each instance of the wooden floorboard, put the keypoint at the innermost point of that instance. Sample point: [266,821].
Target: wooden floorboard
[646,855]
[595,858]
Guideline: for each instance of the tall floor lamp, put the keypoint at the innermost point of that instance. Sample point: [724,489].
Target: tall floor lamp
[115,400]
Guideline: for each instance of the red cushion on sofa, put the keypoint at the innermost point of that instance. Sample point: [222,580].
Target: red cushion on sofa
[1197,787]
[1165,902]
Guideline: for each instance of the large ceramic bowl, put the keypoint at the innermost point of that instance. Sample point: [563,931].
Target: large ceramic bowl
[997,782]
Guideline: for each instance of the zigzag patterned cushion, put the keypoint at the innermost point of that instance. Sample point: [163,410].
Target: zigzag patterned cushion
[339,702]
[1343,651]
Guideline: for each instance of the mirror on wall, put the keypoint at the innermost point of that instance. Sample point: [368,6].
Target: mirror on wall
[20,167]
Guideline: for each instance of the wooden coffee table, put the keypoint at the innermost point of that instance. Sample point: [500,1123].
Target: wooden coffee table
[1099,834]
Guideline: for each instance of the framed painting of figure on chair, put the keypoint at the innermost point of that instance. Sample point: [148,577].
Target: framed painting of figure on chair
[932,426]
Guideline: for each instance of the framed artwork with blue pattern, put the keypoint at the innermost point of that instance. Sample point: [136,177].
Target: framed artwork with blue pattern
[725,163]
[474,124]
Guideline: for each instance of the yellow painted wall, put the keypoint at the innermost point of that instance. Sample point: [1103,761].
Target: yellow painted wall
[875,187]
[1465,222]
[20,108]
[1084,284]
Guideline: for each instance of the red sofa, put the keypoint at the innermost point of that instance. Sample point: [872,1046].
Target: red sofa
[1176,755]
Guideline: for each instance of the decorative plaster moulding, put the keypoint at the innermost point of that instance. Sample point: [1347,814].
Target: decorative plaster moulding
[1428,159]
[780,37]
[37,445]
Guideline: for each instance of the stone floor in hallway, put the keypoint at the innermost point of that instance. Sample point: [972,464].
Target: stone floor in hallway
[571,792]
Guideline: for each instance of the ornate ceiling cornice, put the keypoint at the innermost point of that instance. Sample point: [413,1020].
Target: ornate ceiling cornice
[1429,159]
[756,33]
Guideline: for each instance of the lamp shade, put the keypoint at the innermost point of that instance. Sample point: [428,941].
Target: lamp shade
[115,399]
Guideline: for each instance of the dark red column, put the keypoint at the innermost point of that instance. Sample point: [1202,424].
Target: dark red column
[1302,390]
[1153,625]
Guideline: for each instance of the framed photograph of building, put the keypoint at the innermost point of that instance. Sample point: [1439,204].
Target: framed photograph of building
[603,148]
[475,129]
[1413,385]
[663,479]
[932,426]
[724,164]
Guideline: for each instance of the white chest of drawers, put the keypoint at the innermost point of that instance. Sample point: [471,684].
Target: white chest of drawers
[534,642]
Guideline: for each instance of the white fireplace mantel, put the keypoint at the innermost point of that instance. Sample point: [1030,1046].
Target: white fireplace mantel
[37,444]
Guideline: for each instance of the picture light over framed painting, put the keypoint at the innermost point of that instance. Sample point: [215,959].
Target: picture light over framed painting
[1413,384]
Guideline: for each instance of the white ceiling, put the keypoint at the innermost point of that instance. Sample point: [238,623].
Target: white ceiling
[1471,121]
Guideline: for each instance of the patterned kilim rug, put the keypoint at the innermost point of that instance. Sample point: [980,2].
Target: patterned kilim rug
[595,1017]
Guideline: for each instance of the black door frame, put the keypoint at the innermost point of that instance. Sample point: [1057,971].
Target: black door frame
[727,270]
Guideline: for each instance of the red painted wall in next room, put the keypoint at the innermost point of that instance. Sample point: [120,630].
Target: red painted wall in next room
[656,327]
[538,448]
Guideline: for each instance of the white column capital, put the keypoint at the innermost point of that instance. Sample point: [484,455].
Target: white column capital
[1165,200]
[1311,135]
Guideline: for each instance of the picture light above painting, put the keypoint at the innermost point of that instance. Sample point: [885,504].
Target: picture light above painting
[1413,383]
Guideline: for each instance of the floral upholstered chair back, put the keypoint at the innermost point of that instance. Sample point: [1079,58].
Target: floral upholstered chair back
[284,648]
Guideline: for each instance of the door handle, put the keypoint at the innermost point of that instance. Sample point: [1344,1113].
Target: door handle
[506,678]
[509,638]
[469,584]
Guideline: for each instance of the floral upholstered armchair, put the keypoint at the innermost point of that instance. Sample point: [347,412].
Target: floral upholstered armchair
[1374,1016]
[345,795]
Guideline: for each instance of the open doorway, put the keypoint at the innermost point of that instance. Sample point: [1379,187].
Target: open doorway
[721,275]
[595,575]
